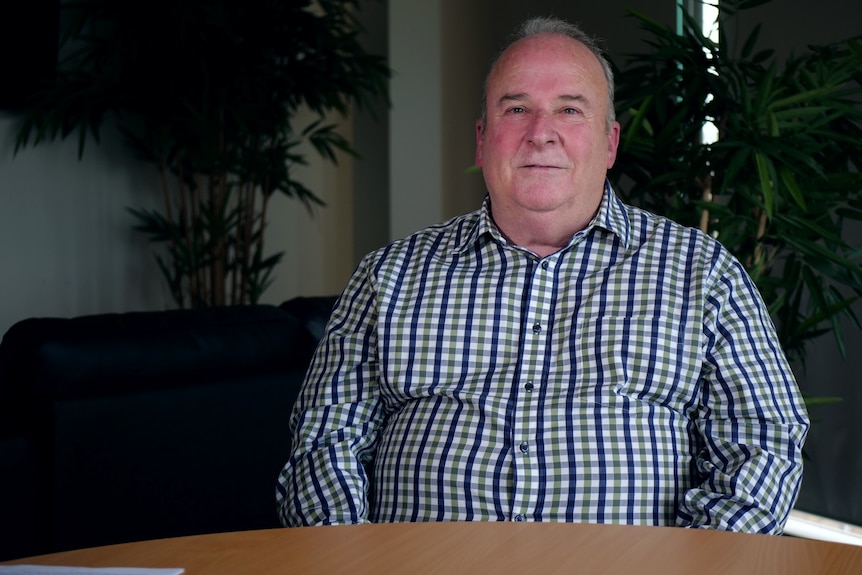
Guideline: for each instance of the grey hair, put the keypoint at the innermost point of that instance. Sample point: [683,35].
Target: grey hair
[551,25]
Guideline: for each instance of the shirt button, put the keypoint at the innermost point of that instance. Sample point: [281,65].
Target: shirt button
[537,328]
[529,385]
[520,517]
[524,447]
[545,265]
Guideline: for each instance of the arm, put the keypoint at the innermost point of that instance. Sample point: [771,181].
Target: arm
[751,421]
[335,419]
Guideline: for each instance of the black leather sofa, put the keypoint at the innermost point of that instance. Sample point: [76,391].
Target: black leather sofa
[121,427]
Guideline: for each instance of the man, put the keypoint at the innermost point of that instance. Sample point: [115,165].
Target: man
[556,355]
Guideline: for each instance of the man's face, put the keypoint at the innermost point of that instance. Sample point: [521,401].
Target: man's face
[545,146]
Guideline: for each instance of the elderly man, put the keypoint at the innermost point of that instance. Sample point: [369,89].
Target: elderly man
[556,355]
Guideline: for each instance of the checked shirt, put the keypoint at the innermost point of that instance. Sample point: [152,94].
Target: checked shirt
[632,377]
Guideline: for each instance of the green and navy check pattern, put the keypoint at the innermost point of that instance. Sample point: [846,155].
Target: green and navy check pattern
[632,377]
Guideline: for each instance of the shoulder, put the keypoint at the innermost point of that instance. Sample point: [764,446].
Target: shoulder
[667,239]
[437,242]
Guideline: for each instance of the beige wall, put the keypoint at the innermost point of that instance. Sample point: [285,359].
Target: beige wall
[317,246]
[67,246]
[66,243]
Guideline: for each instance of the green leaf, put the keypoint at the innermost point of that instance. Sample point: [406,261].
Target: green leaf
[816,250]
[803,97]
[825,313]
[772,125]
[820,401]
[750,42]
[792,185]
[638,122]
[764,91]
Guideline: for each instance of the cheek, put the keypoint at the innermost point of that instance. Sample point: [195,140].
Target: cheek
[500,146]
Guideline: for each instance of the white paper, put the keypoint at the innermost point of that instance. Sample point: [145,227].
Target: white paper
[52,570]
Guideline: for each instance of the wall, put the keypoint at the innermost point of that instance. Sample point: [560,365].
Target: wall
[67,246]
[415,127]
[371,178]
[317,246]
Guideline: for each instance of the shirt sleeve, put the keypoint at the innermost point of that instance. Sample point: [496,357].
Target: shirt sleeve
[751,421]
[335,420]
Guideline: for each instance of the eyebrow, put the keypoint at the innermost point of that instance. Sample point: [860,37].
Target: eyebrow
[521,96]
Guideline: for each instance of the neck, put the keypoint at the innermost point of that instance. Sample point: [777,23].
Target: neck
[543,233]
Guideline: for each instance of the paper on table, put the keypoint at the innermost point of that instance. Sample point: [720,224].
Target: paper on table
[52,570]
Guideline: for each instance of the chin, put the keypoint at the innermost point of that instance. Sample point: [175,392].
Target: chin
[543,199]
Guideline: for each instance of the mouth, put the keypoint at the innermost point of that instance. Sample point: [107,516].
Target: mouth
[542,167]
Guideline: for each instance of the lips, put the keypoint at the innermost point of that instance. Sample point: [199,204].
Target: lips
[544,164]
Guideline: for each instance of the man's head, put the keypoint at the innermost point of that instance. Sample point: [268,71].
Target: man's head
[547,135]
[548,25]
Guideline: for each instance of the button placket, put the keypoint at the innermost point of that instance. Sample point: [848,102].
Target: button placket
[526,460]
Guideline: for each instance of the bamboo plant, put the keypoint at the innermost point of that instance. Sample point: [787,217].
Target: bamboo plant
[780,183]
[208,92]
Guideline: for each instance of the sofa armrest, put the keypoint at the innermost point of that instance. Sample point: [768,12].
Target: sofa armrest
[109,354]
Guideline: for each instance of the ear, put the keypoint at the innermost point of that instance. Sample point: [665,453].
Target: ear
[613,144]
[480,129]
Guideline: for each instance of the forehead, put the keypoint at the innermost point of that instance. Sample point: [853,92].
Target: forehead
[543,58]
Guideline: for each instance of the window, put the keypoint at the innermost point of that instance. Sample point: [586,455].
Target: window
[706,13]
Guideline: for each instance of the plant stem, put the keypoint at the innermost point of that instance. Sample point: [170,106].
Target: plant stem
[706,196]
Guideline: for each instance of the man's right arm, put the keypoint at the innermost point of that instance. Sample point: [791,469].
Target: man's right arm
[336,417]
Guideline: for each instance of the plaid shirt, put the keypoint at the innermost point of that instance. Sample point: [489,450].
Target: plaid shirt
[631,377]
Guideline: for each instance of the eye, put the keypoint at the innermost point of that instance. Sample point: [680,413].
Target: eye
[571,111]
[517,110]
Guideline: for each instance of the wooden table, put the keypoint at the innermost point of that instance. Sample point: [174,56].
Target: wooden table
[475,548]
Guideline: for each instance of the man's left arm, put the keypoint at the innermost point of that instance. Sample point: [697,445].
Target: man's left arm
[752,420]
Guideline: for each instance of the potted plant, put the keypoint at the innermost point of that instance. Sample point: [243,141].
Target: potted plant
[780,181]
[209,91]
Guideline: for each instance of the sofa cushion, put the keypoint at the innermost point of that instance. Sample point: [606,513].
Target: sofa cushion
[170,462]
[148,424]
[22,505]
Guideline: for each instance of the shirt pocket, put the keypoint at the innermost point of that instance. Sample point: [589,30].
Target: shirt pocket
[636,362]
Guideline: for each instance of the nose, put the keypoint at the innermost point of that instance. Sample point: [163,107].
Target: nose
[541,130]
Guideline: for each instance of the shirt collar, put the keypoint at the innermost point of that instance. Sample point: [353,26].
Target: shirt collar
[611,216]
